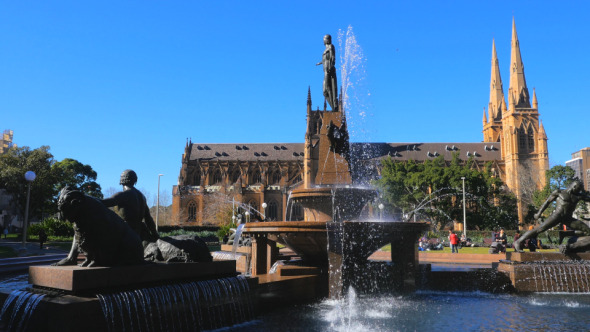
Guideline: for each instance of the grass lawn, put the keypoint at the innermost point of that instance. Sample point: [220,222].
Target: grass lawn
[469,250]
[7,252]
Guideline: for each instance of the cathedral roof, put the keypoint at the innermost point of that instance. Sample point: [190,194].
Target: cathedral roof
[247,151]
[427,151]
[363,151]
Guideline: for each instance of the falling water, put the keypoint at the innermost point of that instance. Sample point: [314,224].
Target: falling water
[561,277]
[18,310]
[192,306]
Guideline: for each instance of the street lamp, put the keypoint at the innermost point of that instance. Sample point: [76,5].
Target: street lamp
[464,213]
[30,177]
[158,202]
[264,205]
[381,210]
[247,216]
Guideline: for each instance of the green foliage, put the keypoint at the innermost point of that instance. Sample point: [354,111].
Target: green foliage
[51,176]
[434,190]
[13,166]
[557,178]
[70,172]
[224,230]
[53,227]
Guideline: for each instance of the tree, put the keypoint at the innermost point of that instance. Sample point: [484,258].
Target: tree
[557,178]
[13,165]
[70,172]
[51,176]
[433,190]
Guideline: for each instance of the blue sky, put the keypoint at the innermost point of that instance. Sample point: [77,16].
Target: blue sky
[123,84]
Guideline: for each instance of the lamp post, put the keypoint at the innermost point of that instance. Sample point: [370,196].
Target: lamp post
[30,177]
[464,213]
[158,202]
[264,205]
[247,216]
[381,211]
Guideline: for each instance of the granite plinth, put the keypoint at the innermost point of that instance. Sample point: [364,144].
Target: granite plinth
[75,279]
[547,272]
[545,256]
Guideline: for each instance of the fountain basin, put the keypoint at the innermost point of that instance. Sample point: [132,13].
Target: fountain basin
[323,204]
[358,238]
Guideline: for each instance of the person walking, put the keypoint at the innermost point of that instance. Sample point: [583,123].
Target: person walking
[42,238]
[501,240]
[454,240]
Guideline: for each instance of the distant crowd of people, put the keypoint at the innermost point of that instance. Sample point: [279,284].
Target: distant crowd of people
[498,245]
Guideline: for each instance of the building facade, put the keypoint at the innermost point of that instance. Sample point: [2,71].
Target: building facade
[514,141]
[517,127]
[580,163]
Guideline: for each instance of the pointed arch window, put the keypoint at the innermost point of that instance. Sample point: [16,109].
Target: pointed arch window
[275,177]
[255,177]
[192,211]
[297,212]
[272,211]
[197,178]
[216,177]
[531,139]
[235,176]
[522,140]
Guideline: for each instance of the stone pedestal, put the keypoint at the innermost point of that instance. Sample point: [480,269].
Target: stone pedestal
[547,272]
[82,280]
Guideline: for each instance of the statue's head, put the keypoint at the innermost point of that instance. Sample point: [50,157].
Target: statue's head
[128,178]
[576,186]
[327,39]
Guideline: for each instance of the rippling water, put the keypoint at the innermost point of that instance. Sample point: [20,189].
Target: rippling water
[434,311]
[422,311]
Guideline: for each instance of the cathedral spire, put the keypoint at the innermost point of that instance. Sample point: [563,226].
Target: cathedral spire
[518,89]
[496,89]
[542,132]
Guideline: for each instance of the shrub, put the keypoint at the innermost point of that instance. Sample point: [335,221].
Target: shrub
[53,227]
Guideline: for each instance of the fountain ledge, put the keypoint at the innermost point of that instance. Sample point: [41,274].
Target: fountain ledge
[75,279]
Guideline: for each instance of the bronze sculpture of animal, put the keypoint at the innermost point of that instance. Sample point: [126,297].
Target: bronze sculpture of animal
[105,238]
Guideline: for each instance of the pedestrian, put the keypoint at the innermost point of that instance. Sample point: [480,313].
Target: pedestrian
[5,232]
[454,241]
[502,240]
[42,238]
[516,236]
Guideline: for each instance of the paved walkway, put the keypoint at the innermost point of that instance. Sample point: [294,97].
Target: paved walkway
[32,248]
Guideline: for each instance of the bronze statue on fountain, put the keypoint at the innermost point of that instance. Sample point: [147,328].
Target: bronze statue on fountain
[129,238]
[566,202]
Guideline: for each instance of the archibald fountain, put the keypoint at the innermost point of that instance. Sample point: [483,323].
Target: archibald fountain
[332,236]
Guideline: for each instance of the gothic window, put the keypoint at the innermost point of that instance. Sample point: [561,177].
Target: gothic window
[216,178]
[192,211]
[531,139]
[272,211]
[255,177]
[235,176]
[197,178]
[275,177]
[522,141]
[252,205]
[297,212]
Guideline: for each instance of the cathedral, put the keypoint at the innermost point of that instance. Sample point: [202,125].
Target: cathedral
[256,179]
